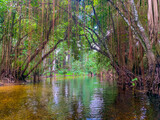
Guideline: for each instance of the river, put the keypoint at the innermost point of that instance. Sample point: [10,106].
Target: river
[75,99]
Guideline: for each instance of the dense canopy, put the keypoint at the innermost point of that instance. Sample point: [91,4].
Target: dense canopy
[49,37]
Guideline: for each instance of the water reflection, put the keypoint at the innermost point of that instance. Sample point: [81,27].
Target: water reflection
[80,98]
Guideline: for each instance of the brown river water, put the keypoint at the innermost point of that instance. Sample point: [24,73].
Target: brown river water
[75,99]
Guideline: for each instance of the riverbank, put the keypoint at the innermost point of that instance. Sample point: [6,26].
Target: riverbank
[41,78]
[11,84]
[4,83]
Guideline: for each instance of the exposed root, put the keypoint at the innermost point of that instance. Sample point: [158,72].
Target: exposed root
[7,77]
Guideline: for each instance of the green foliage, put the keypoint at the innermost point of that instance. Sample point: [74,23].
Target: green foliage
[20,23]
[62,71]
[90,64]
[103,64]
[134,81]
[76,66]
[95,2]
[133,84]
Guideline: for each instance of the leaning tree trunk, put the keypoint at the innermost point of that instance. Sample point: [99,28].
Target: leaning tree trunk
[143,38]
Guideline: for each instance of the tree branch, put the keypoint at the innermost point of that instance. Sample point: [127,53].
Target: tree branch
[48,53]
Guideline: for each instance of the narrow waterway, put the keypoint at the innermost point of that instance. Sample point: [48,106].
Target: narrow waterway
[75,99]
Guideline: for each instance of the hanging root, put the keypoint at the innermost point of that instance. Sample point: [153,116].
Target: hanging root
[126,77]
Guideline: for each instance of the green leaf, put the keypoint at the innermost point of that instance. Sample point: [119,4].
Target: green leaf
[95,2]
[133,84]
[135,79]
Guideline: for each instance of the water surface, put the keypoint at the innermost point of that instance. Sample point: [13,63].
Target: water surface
[75,99]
